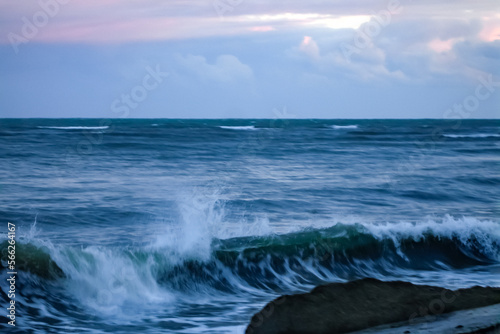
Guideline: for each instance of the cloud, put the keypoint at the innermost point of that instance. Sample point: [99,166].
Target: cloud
[262,28]
[491,29]
[422,49]
[480,56]
[331,62]
[259,55]
[112,21]
[226,68]
[441,46]
[309,47]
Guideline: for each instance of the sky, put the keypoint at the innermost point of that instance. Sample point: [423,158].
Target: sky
[250,58]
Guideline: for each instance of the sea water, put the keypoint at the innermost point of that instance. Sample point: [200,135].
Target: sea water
[191,226]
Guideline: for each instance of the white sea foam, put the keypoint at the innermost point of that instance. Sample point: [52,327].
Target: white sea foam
[75,127]
[474,135]
[110,281]
[246,127]
[201,218]
[341,127]
[467,230]
[114,282]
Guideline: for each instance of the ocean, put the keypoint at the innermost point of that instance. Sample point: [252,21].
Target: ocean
[192,226]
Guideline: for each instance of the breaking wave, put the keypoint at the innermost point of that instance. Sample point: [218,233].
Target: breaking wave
[107,278]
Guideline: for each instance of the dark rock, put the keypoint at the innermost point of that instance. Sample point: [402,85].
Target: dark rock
[489,330]
[346,307]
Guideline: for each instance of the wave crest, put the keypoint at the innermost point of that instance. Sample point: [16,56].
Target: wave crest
[274,262]
[74,127]
[245,128]
[341,127]
[474,135]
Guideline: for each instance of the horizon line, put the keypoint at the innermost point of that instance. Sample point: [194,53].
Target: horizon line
[242,118]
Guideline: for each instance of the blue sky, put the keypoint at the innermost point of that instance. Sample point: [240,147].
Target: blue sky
[250,58]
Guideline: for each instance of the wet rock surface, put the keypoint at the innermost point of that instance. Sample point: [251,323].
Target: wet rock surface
[361,304]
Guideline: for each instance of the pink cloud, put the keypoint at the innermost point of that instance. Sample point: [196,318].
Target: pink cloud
[491,30]
[262,28]
[309,47]
[441,46]
[116,21]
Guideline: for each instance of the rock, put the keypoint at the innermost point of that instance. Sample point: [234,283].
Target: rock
[346,307]
[489,330]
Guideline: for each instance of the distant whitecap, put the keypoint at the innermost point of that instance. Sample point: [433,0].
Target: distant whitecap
[474,135]
[248,127]
[340,127]
[75,127]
